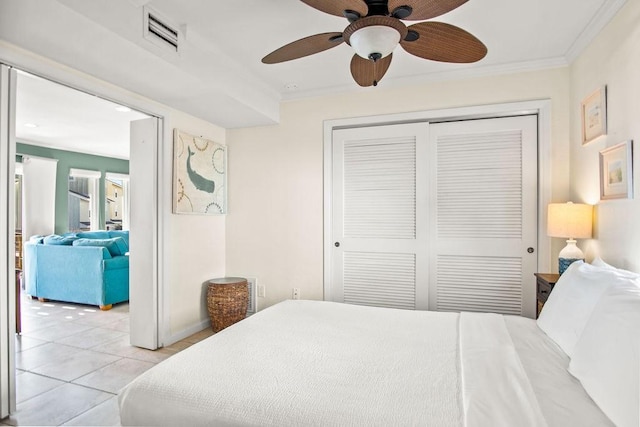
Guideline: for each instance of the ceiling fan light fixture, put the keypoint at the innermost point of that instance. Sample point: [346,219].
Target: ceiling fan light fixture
[375,41]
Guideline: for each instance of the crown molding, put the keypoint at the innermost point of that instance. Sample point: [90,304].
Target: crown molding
[606,12]
[439,76]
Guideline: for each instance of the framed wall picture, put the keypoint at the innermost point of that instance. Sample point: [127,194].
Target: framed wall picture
[199,175]
[593,112]
[616,172]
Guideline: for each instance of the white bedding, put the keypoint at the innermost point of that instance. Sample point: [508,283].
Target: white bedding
[321,363]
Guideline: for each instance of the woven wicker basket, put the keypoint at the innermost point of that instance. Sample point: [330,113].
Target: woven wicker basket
[227,300]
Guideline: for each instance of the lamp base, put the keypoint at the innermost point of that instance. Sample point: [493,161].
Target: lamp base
[568,255]
[564,263]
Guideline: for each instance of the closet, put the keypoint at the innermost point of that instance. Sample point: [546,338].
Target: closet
[439,216]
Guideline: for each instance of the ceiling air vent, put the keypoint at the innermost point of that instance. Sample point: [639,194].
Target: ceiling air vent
[160,31]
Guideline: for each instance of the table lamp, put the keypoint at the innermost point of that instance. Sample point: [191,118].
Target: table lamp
[570,221]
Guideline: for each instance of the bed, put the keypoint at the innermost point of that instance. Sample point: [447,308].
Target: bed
[302,363]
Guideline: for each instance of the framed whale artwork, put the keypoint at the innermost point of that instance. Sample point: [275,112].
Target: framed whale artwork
[199,175]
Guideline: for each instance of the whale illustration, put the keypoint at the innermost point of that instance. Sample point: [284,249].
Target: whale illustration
[198,180]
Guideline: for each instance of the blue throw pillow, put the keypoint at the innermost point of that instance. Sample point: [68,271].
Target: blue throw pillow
[55,240]
[116,246]
[36,239]
[120,233]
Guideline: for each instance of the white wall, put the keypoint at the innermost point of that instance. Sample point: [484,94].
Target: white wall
[274,227]
[194,245]
[613,58]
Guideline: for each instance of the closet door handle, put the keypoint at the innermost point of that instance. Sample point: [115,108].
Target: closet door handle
[337,244]
[530,250]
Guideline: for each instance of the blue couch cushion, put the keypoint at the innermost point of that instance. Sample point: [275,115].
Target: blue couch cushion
[55,240]
[93,235]
[36,239]
[120,233]
[117,262]
[116,245]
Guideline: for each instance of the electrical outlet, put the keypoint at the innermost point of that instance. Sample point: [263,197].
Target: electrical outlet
[261,291]
[296,293]
[253,301]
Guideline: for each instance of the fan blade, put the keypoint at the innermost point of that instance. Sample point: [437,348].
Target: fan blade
[445,43]
[337,7]
[368,73]
[304,47]
[425,9]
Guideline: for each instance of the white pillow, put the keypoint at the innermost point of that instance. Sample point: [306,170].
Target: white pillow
[571,303]
[606,358]
[598,262]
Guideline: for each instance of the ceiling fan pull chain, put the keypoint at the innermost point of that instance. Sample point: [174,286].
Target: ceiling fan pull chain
[375,72]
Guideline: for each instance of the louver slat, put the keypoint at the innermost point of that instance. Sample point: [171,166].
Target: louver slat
[485,284]
[380,188]
[479,186]
[380,279]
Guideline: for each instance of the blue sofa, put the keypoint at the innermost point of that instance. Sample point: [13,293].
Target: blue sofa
[87,268]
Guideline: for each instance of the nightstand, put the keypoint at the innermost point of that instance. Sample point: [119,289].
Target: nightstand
[544,285]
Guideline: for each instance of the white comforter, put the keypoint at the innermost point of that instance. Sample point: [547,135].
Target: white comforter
[319,363]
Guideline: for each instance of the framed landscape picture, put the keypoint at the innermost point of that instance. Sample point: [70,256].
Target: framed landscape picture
[199,175]
[616,172]
[593,112]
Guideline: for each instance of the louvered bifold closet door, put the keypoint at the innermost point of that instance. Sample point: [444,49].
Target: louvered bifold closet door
[379,216]
[485,214]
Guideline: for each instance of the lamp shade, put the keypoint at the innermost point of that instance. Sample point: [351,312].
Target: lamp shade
[376,39]
[569,220]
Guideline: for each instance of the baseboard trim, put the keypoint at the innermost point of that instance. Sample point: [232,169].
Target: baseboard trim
[187,332]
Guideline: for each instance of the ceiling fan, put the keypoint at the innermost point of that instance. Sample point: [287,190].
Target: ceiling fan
[375,30]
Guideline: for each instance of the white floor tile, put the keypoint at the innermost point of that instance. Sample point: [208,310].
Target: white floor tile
[31,323]
[42,355]
[121,325]
[115,376]
[57,406]
[29,385]
[24,342]
[77,364]
[121,347]
[105,414]
[93,338]
[57,331]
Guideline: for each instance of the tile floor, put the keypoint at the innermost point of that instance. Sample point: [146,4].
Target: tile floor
[72,359]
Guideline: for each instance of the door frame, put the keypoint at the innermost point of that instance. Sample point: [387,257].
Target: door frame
[541,108]
[7,235]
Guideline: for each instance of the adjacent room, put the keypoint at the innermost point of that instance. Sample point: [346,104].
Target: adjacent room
[350,212]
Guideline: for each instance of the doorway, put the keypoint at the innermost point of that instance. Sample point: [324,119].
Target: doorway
[439,216]
[10,103]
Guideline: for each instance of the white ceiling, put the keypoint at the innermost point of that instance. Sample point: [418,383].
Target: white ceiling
[68,119]
[515,32]
[219,77]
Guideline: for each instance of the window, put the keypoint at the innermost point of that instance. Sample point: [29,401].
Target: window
[116,193]
[83,200]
